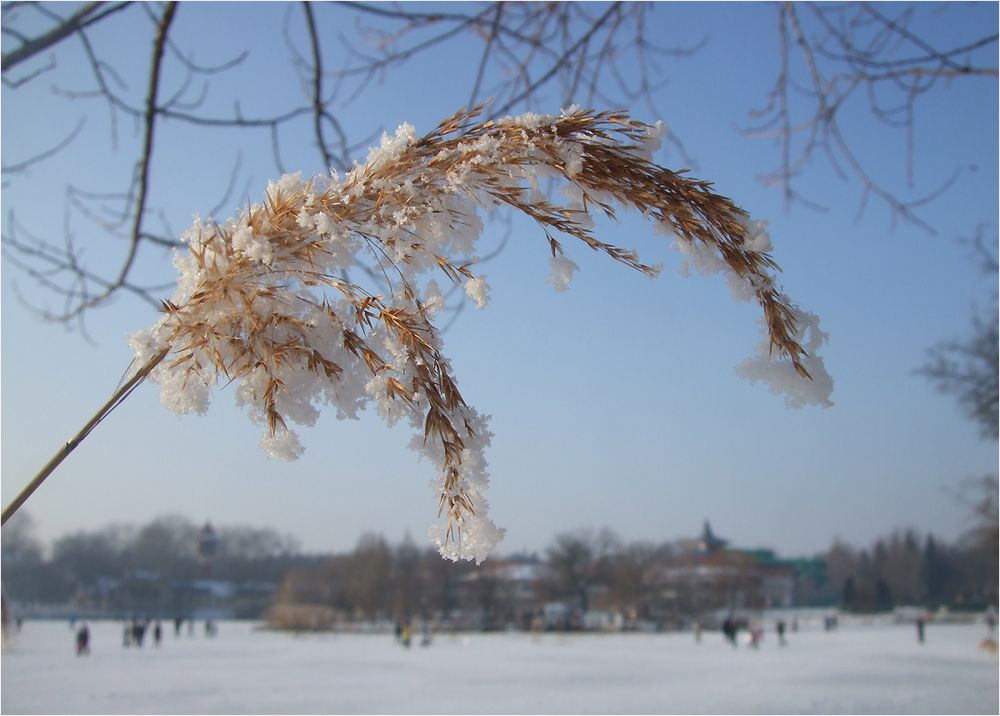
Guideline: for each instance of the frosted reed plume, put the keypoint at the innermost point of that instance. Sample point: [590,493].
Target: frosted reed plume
[262,299]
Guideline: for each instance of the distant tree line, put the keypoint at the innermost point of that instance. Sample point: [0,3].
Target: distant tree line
[583,570]
[905,569]
[165,549]
[595,570]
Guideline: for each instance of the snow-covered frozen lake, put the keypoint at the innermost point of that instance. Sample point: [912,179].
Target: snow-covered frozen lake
[858,669]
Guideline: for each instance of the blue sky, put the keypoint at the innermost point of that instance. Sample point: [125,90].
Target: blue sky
[614,404]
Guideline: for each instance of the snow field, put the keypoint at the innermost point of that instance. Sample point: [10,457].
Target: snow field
[858,669]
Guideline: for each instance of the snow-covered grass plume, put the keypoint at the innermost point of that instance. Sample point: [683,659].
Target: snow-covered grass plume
[262,299]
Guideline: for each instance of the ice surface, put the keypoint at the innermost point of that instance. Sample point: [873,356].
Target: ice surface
[858,669]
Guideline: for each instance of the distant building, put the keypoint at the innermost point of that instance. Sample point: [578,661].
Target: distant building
[707,576]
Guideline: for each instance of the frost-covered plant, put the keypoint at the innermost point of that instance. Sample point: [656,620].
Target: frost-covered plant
[262,299]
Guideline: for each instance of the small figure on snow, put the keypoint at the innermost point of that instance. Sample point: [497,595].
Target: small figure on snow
[780,627]
[157,633]
[138,632]
[920,628]
[537,626]
[83,640]
[729,629]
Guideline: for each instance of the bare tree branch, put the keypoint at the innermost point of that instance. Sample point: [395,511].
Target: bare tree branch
[319,111]
[89,14]
[474,95]
[560,63]
[856,50]
[38,72]
[968,368]
[78,294]
[24,164]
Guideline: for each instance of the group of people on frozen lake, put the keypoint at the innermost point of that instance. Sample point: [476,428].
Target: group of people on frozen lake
[731,627]
[134,632]
[404,634]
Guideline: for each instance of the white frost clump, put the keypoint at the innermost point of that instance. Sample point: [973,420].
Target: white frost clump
[653,139]
[185,394]
[528,120]
[479,538]
[561,270]
[757,239]
[706,259]
[478,290]
[780,376]
[283,445]
[391,147]
[477,535]
[255,248]
[571,154]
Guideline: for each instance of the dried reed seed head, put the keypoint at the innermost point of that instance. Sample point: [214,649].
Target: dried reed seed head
[247,305]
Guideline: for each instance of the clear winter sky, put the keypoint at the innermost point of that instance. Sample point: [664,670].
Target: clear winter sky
[614,404]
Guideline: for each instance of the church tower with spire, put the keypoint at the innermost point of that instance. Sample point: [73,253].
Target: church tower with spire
[709,542]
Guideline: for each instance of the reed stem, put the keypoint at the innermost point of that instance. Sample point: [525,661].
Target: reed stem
[115,400]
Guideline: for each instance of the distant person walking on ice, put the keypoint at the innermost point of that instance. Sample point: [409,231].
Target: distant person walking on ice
[780,626]
[729,629]
[82,640]
[138,632]
[920,629]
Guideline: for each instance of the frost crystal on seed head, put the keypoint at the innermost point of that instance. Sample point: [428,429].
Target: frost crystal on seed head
[561,270]
[283,445]
[263,300]
[757,239]
[478,290]
[782,378]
